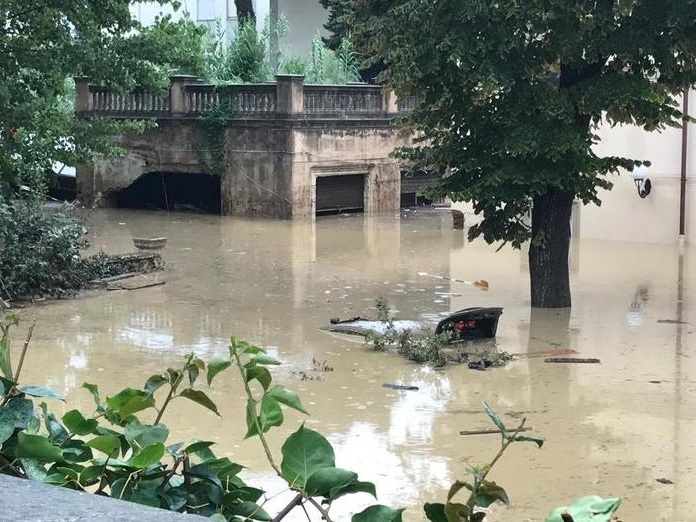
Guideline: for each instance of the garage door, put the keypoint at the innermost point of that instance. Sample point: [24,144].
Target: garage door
[340,193]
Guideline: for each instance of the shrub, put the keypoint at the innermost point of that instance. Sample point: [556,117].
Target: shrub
[39,250]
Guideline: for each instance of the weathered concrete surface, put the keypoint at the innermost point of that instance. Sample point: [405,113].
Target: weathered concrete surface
[174,145]
[277,142]
[25,500]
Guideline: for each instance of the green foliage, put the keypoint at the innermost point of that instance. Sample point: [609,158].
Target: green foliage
[586,509]
[113,452]
[421,347]
[482,492]
[511,93]
[39,250]
[46,44]
[339,27]
[510,97]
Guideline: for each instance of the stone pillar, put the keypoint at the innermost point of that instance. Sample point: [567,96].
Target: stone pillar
[177,92]
[83,100]
[389,105]
[274,46]
[289,94]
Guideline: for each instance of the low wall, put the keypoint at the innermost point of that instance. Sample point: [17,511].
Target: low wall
[24,500]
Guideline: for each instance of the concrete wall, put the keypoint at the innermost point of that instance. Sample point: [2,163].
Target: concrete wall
[280,138]
[623,215]
[175,145]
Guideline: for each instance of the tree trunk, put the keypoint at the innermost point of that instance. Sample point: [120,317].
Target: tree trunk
[245,10]
[548,253]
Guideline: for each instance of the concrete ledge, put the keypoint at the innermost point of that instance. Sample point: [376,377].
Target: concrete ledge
[28,501]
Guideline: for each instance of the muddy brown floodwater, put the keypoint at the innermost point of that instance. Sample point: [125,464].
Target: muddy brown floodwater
[611,429]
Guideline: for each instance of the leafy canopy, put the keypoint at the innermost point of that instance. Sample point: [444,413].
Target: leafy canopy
[42,46]
[511,92]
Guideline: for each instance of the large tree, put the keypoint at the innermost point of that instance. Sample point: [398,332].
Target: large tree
[43,44]
[511,93]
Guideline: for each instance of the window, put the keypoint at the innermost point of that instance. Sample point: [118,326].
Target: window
[206,10]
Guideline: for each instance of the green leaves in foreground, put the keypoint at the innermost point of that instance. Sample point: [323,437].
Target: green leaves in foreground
[378,513]
[482,492]
[587,509]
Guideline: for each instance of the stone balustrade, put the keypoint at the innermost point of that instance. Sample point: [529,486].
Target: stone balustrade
[288,96]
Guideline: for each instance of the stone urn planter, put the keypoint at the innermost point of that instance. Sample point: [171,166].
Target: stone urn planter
[156,243]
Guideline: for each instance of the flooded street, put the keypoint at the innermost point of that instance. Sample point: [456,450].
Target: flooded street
[611,429]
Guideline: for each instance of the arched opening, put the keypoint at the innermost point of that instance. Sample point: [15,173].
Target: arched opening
[179,191]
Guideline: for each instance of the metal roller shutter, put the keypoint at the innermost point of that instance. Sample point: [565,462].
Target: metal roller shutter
[340,193]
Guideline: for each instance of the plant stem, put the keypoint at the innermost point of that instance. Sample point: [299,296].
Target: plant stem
[266,448]
[7,464]
[506,442]
[24,351]
[172,388]
[296,501]
[257,424]
[324,513]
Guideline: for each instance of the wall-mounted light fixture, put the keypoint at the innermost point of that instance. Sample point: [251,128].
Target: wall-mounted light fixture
[640,178]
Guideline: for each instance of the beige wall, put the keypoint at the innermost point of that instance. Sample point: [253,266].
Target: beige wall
[623,215]
[306,18]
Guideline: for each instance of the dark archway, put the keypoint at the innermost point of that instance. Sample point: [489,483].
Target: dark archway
[172,191]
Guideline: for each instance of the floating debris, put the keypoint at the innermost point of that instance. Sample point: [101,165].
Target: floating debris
[571,360]
[401,387]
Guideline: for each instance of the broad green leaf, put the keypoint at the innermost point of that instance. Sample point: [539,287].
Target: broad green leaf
[205,472]
[454,489]
[142,435]
[354,487]
[587,509]
[217,517]
[106,444]
[378,513]
[332,483]
[175,499]
[435,512]
[323,480]
[252,511]
[225,469]
[91,475]
[193,372]
[489,492]
[41,391]
[34,469]
[261,358]
[154,383]
[528,438]
[216,365]
[147,456]
[78,424]
[56,431]
[94,391]
[271,414]
[129,401]
[17,413]
[305,452]
[259,373]
[38,448]
[7,385]
[5,356]
[287,397]
[76,450]
[197,446]
[456,512]
[251,419]
[201,398]
[494,417]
